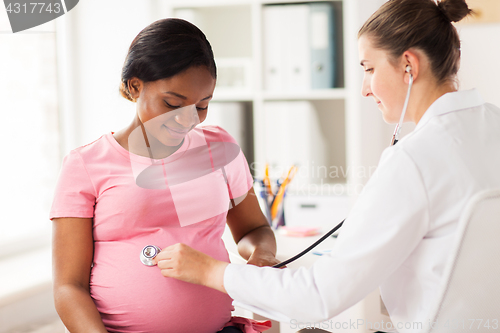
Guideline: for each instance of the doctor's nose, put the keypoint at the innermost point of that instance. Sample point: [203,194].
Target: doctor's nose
[187,116]
[365,88]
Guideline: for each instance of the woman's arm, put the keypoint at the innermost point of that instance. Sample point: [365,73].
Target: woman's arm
[251,231]
[72,253]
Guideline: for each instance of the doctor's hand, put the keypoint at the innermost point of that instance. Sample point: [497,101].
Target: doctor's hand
[184,263]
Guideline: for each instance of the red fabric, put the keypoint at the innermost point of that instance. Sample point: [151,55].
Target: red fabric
[249,325]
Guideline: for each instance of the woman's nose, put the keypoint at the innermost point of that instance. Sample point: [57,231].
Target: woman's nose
[186,116]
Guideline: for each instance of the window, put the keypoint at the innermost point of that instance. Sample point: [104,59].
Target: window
[29,138]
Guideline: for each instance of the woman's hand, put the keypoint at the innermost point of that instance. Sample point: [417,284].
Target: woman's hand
[184,263]
[262,258]
[251,231]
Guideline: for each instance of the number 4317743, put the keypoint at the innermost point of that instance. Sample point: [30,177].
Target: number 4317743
[34,8]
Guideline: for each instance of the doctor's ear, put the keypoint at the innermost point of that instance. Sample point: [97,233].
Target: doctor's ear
[411,63]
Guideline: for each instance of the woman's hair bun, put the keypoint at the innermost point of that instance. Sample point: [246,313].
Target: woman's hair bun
[454,10]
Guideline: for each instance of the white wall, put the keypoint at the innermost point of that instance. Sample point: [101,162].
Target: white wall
[480,67]
[98,35]
[367,134]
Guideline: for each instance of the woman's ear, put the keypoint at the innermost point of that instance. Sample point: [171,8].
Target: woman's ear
[135,86]
[411,63]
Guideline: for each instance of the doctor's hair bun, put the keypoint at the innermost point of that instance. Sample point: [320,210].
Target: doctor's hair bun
[400,25]
[454,10]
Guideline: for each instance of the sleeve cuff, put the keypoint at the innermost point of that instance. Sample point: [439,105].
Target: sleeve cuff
[228,278]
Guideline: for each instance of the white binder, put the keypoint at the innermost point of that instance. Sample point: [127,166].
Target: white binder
[273,43]
[297,53]
[293,137]
[299,46]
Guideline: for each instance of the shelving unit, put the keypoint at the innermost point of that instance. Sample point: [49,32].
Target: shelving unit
[354,131]
[235,31]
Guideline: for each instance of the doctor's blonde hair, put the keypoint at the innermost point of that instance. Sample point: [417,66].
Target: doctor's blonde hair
[399,25]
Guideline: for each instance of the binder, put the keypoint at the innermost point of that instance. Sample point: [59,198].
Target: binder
[299,46]
[273,43]
[293,137]
[297,53]
[322,45]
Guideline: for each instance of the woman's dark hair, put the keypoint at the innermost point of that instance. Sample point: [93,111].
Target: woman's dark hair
[163,49]
[400,25]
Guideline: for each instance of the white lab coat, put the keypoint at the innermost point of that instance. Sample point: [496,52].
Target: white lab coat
[399,232]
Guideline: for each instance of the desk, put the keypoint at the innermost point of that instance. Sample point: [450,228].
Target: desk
[368,310]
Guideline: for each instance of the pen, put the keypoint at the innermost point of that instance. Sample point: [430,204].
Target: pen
[281,192]
[267,181]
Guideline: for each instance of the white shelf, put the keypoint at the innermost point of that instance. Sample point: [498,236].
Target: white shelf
[215,3]
[221,95]
[208,3]
[272,2]
[323,94]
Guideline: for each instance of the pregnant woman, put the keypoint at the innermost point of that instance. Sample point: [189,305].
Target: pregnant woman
[162,180]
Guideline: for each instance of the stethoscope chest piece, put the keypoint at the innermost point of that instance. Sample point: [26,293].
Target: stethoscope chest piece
[148,253]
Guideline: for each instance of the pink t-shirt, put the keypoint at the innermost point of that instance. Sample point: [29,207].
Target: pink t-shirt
[131,208]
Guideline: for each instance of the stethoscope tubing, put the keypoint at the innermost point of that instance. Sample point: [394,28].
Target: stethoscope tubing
[325,236]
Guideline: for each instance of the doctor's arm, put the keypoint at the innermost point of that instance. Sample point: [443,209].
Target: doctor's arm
[386,224]
[71,259]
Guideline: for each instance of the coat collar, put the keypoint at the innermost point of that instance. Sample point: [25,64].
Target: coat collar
[451,102]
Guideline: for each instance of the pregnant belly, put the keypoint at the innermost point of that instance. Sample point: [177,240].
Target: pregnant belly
[132,297]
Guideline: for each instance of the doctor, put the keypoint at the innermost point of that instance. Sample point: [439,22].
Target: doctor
[398,235]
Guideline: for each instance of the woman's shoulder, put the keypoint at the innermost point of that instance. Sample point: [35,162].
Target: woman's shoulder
[91,150]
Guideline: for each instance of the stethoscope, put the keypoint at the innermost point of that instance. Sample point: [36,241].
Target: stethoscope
[149,252]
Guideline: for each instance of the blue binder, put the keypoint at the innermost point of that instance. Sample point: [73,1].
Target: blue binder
[323,48]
